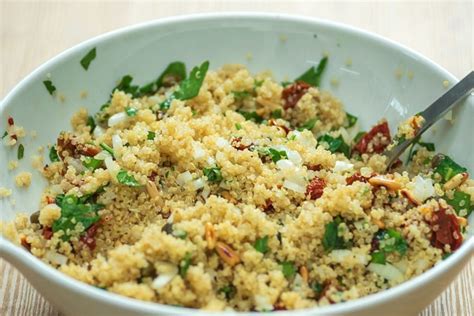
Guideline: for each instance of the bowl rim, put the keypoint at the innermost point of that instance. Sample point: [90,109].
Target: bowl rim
[9,250]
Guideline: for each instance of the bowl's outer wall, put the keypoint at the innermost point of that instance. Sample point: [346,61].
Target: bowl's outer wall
[369,88]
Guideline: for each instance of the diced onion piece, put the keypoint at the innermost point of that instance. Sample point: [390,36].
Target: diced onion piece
[422,188]
[198,184]
[184,178]
[102,155]
[345,136]
[262,303]
[342,166]
[77,164]
[161,281]
[112,166]
[211,160]
[117,143]
[117,118]
[167,271]
[221,142]
[294,186]
[56,258]
[285,164]
[198,151]
[294,157]
[386,271]
[205,192]
[98,132]
[339,255]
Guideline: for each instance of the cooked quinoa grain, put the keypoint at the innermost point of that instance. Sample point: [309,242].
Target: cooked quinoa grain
[232,191]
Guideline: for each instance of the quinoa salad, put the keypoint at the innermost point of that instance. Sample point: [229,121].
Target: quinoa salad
[224,190]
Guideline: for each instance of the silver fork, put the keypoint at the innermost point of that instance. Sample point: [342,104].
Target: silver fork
[433,113]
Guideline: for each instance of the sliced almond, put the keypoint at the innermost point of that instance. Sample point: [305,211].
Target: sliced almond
[410,197]
[304,274]
[456,181]
[388,183]
[210,235]
[227,254]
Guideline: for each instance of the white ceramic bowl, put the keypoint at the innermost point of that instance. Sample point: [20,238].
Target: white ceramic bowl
[285,44]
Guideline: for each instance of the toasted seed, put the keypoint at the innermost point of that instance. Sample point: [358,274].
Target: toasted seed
[210,236]
[34,218]
[226,195]
[456,181]
[407,194]
[388,183]
[227,254]
[462,221]
[152,189]
[304,273]
[379,223]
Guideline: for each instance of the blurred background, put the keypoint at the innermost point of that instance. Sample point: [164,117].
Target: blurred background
[34,31]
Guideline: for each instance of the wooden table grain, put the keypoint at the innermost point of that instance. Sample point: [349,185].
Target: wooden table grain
[34,31]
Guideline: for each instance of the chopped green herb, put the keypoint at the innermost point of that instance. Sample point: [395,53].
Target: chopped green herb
[358,137]
[277,114]
[351,120]
[331,238]
[277,154]
[104,106]
[91,163]
[238,126]
[461,201]
[86,60]
[292,137]
[124,178]
[447,168]
[309,125]
[184,264]
[91,123]
[411,153]
[288,269]
[4,134]
[53,154]
[74,211]
[261,245]
[49,86]
[175,72]
[241,95]
[446,255]
[131,111]
[336,144]
[151,135]
[378,257]
[180,233]
[107,148]
[213,174]
[317,287]
[389,241]
[313,75]
[251,116]
[125,86]
[257,83]
[189,87]
[228,290]
[21,152]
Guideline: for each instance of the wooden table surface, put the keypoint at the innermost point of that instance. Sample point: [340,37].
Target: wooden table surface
[34,31]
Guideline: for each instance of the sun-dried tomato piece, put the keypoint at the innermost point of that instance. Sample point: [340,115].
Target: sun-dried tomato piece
[357,177]
[89,237]
[316,167]
[69,145]
[47,232]
[236,142]
[293,93]
[273,122]
[315,188]
[376,140]
[11,121]
[268,207]
[25,243]
[446,230]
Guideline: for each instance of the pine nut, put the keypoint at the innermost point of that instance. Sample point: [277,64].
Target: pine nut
[379,223]
[388,183]
[210,235]
[407,194]
[227,254]
[462,221]
[304,273]
[152,189]
[456,181]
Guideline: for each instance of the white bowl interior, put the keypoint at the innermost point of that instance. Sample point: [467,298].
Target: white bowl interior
[369,87]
